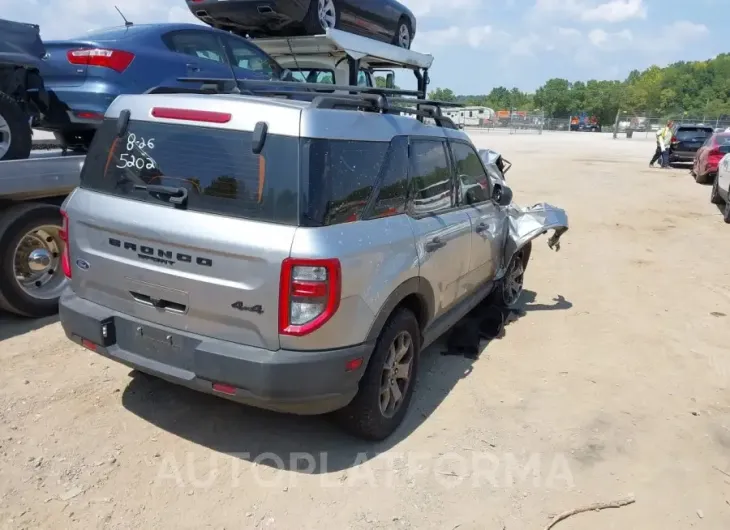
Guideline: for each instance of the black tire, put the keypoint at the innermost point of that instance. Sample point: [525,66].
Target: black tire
[21,140]
[312,25]
[726,212]
[500,296]
[703,179]
[714,194]
[396,37]
[363,416]
[14,224]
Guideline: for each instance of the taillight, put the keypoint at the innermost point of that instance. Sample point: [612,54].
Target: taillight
[309,294]
[674,140]
[191,115]
[715,155]
[117,60]
[65,257]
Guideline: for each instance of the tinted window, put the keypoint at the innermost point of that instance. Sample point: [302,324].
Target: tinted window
[472,180]
[431,188]
[723,139]
[698,134]
[251,58]
[216,166]
[314,76]
[196,44]
[363,79]
[393,187]
[339,177]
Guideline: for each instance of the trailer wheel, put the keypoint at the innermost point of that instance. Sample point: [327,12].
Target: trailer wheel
[15,132]
[31,276]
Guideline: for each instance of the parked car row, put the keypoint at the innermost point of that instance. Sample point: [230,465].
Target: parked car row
[709,152]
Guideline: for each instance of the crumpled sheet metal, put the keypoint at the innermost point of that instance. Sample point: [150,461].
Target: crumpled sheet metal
[525,224]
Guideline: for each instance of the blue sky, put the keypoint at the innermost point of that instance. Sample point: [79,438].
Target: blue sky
[479,44]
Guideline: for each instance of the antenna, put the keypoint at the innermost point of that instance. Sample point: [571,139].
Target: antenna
[127,23]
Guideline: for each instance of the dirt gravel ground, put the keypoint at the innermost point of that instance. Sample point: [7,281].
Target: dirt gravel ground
[614,382]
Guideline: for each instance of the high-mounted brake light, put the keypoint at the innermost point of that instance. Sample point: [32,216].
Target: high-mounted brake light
[191,115]
[117,60]
[65,257]
[309,294]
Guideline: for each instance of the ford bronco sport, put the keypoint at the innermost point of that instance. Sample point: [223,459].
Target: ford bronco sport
[292,255]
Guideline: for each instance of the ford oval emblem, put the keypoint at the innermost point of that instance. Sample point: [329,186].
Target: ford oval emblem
[81,264]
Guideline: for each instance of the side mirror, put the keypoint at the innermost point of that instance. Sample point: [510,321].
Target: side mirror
[502,194]
[390,80]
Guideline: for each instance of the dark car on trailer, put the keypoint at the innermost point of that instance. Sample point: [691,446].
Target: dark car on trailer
[384,20]
[686,141]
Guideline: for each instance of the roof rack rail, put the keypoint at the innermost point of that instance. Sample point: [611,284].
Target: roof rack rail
[324,97]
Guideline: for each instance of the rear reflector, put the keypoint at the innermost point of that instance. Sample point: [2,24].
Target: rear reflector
[88,115]
[191,115]
[353,364]
[224,389]
[86,343]
[65,257]
[116,60]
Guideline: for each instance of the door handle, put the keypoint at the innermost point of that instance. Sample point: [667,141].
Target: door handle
[192,67]
[435,244]
[481,227]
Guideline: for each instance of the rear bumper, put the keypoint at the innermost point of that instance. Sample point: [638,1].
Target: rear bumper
[78,107]
[252,14]
[298,382]
[682,156]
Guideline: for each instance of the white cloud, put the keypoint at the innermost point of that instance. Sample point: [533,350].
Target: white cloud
[673,37]
[424,8]
[475,37]
[72,18]
[611,11]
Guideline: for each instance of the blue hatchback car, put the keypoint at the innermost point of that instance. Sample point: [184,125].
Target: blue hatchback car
[83,76]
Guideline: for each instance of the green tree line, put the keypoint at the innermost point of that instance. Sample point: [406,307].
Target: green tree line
[697,89]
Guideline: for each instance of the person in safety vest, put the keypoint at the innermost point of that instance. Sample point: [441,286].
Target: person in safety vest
[663,141]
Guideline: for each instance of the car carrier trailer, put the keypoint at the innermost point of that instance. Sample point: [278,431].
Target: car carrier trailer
[32,190]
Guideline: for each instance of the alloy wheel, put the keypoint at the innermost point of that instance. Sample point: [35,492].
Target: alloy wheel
[327,13]
[404,36]
[513,281]
[5,137]
[397,373]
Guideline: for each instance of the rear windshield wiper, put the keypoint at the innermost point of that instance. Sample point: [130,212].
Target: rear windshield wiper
[175,195]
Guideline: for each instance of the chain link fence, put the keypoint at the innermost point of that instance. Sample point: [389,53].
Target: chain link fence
[648,125]
[513,122]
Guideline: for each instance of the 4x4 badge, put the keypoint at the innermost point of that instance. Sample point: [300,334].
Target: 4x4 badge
[251,309]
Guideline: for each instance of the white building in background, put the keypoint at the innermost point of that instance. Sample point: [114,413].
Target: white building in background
[469,116]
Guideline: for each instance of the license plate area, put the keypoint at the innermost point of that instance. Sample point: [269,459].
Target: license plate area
[155,343]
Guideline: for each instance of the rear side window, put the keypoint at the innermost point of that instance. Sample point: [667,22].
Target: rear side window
[200,44]
[216,166]
[723,140]
[698,134]
[338,178]
[393,189]
[430,177]
[323,77]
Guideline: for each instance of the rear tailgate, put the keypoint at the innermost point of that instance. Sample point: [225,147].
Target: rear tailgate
[212,268]
[690,139]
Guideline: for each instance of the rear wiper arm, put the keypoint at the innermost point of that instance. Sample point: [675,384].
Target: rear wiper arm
[176,195]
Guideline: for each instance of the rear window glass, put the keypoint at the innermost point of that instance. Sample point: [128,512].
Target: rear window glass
[723,139]
[216,166]
[693,133]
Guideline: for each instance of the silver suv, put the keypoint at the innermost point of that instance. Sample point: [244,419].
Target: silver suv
[290,255]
